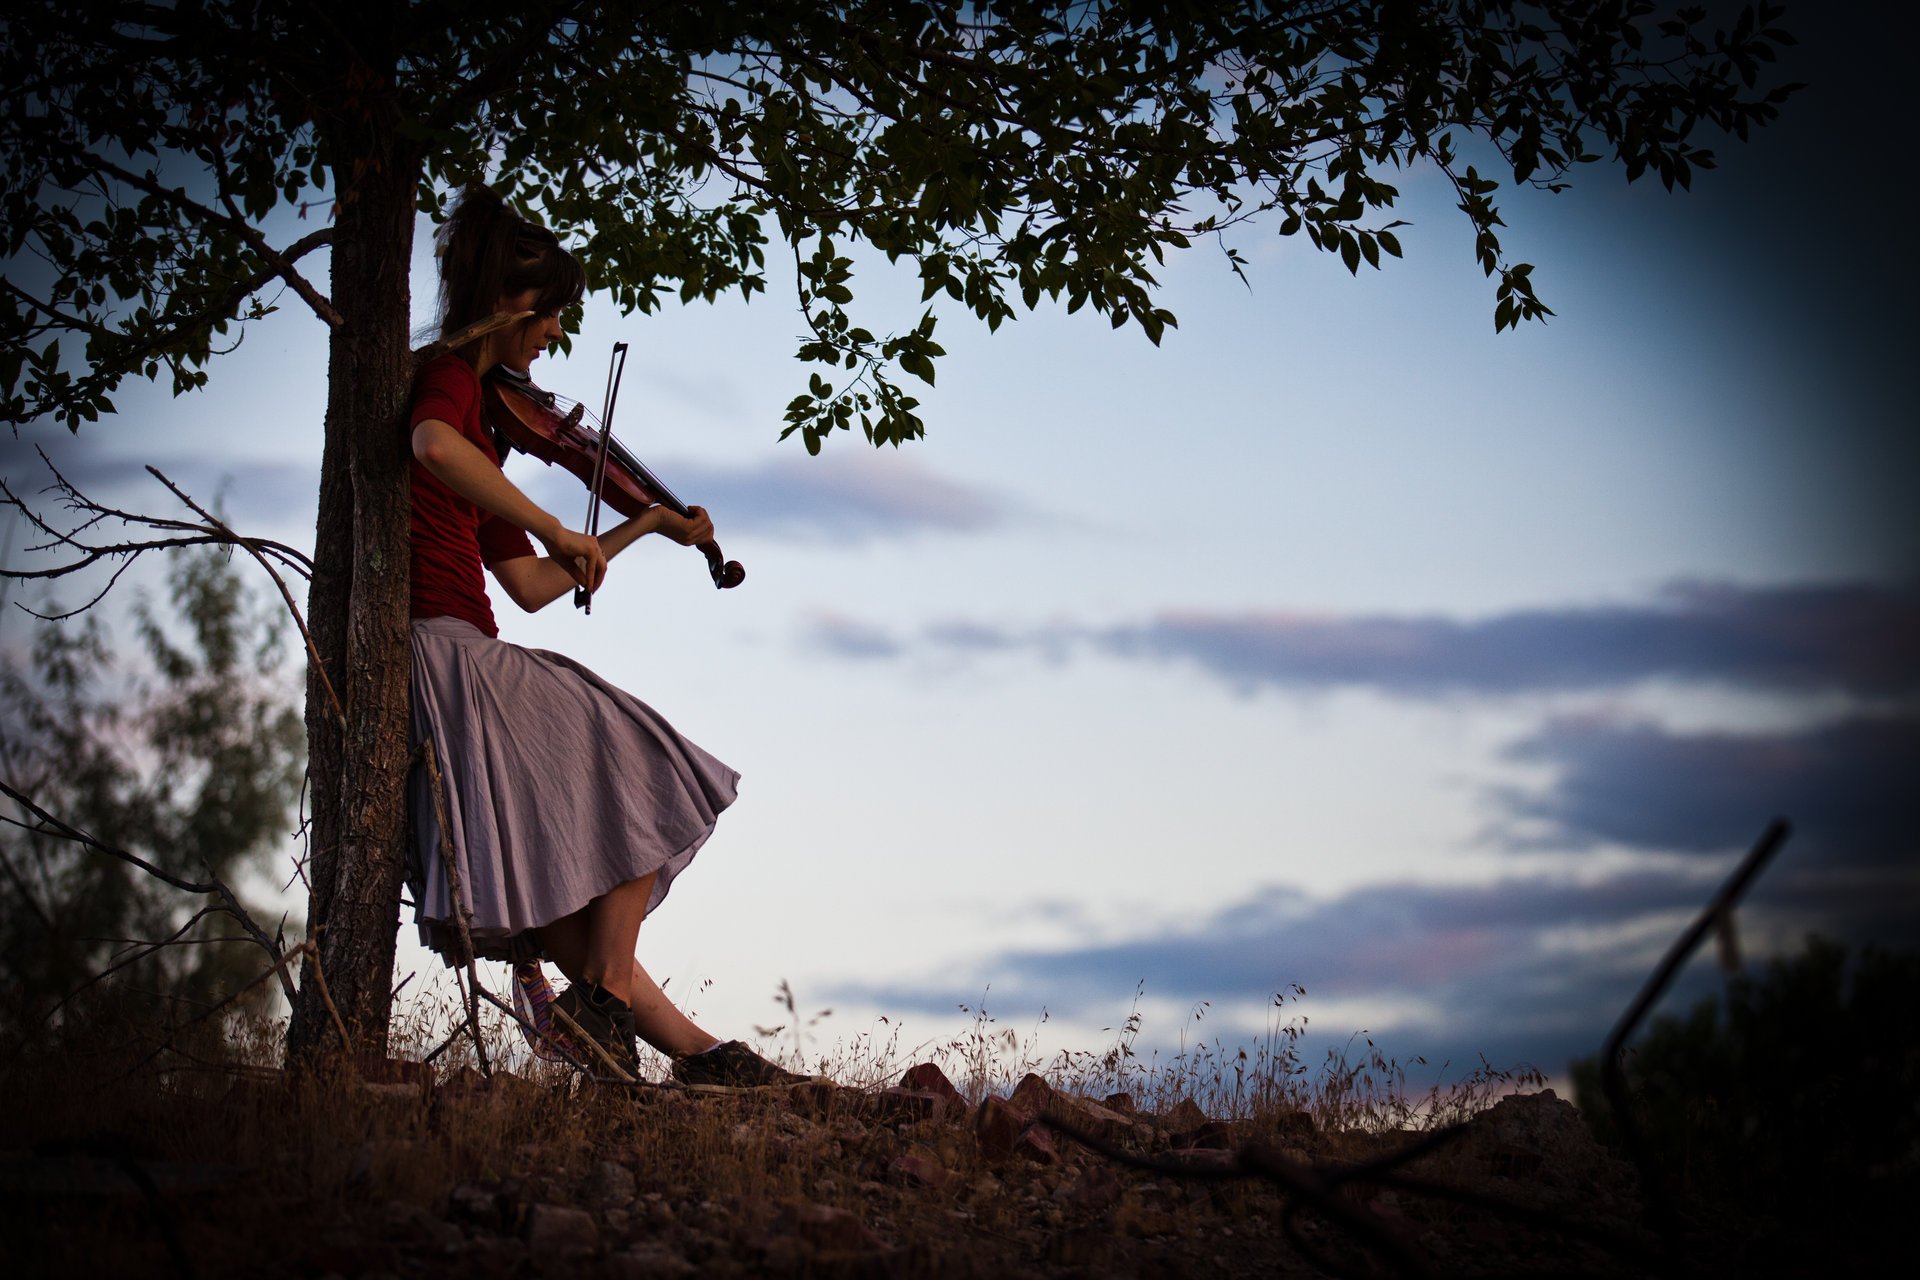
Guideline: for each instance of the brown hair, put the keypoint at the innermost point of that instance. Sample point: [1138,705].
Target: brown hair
[488,252]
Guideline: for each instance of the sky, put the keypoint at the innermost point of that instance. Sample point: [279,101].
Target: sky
[1337,642]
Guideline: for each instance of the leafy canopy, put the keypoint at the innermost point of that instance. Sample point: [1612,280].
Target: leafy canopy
[1007,152]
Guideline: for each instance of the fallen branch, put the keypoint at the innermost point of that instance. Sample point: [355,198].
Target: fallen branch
[1715,917]
[462,913]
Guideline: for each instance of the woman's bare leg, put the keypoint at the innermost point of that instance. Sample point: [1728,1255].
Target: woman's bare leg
[659,1021]
[595,943]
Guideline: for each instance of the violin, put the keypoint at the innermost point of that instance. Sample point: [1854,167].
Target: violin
[537,422]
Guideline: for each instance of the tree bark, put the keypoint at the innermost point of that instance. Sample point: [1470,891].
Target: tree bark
[358,601]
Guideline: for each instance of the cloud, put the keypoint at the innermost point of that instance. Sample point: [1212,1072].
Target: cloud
[1486,963]
[1849,787]
[1532,970]
[267,498]
[844,498]
[846,638]
[1856,637]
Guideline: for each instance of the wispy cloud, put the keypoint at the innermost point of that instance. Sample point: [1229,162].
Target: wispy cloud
[845,498]
[844,637]
[1855,637]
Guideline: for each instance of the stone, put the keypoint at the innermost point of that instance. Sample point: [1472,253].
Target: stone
[1090,1118]
[1184,1116]
[649,1261]
[815,1098]
[925,1077]
[1095,1190]
[1540,1137]
[1208,1158]
[904,1106]
[995,1128]
[610,1184]
[1120,1102]
[1142,1222]
[1035,1143]
[919,1171]
[825,1227]
[558,1231]
[1219,1135]
[1031,1096]
[1295,1125]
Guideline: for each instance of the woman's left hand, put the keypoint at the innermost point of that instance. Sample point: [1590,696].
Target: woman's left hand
[689,530]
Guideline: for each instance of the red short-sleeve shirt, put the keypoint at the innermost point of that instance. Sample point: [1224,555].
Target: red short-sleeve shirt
[451,537]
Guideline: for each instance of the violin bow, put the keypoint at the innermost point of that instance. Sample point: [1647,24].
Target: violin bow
[616,369]
[460,338]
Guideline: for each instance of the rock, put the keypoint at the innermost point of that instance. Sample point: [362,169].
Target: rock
[558,1231]
[785,1255]
[1184,1116]
[815,1098]
[1085,1249]
[926,1078]
[907,1106]
[1120,1102]
[1206,1158]
[609,1185]
[1295,1125]
[1537,1136]
[1141,1222]
[1096,1189]
[1031,1096]
[995,1128]
[919,1171]
[1090,1118]
[476,1203]
[825,1227]
[650,1261]
[1035,1143]
[1219,1135]
[658,1214]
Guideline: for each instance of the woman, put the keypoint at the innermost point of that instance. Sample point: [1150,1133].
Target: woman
[571,805]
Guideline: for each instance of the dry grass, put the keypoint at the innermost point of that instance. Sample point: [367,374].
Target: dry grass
[320,1172]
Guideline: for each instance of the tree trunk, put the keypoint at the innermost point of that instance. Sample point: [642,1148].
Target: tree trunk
[358,601]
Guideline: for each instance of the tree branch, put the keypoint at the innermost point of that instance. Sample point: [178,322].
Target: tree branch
[279,264]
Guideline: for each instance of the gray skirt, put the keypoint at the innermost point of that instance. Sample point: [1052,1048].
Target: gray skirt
[558,787]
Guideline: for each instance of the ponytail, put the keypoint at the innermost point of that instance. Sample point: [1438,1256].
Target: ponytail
[487,252]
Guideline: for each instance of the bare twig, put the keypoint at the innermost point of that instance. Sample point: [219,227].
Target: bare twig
[141,951]
[45,823]
[278,967]
[253,549]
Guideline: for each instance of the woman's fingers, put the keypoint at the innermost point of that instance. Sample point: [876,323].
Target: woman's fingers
[581,556]
[699,526]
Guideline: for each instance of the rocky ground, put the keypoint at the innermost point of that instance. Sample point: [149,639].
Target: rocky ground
[551,1176]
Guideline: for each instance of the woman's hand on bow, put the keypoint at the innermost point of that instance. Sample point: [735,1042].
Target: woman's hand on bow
[578,554]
